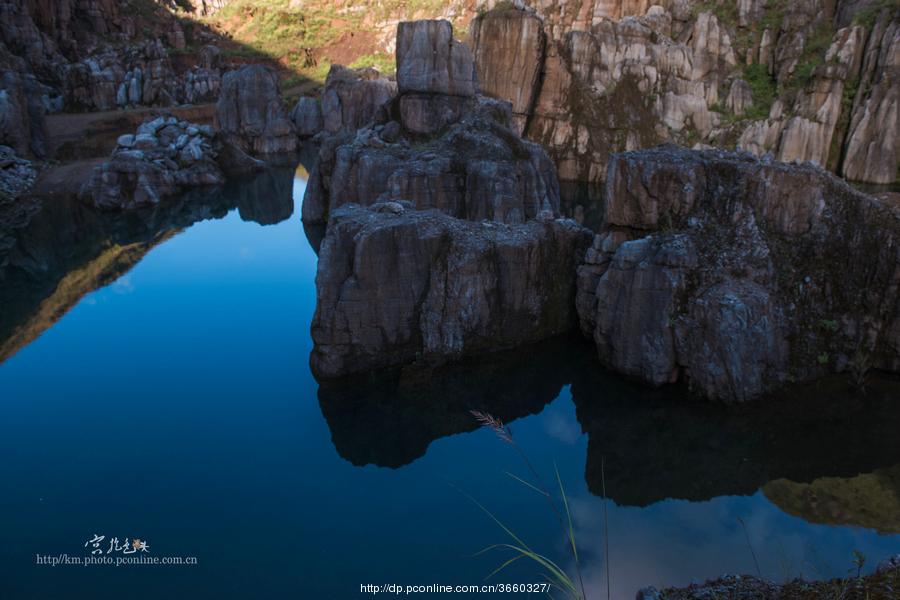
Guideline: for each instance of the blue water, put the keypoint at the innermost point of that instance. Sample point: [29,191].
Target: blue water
[176,405]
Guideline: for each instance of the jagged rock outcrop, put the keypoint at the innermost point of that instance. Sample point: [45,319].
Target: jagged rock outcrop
[396,285]
[350,100]
[442,238]
[202,82]
[477,169]
[615,76]
[873,144]
[437,144]
[739,275]
[165,157]
[250,113]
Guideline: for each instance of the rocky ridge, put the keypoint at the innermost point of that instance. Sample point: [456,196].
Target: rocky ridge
[589,79]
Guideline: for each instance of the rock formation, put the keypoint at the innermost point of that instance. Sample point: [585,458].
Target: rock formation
[352,98]
[593,78]
[460,251]
[477,169]
[165,157]
[250,114]
[739,275]
[396,285]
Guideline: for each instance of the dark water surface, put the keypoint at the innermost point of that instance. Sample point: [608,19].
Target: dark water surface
[155,384]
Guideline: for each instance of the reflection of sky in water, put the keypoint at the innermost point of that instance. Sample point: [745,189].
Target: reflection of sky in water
[177,405]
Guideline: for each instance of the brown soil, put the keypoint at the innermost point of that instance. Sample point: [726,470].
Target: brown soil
[350,46]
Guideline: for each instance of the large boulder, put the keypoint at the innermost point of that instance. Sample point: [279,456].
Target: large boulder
[739,275]
[351,99]
[250,112]
[396,285]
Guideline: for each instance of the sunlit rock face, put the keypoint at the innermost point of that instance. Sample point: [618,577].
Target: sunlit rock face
[619,76]
[738,275]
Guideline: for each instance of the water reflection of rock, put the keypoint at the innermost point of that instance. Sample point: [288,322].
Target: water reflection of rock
[869,500]
[390,419]
[655,447]
[52,253]
[265,198]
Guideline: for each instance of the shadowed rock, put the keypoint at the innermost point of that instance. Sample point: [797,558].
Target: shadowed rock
[250,114]
[739,275]
[477,169]
[352,98]
[396,285]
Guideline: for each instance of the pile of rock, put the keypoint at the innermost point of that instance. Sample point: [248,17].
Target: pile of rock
[443,234]
[164,157]
[739,275]
[17,175]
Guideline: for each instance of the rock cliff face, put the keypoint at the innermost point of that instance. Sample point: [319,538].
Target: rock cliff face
[739,275]
[396,285]
[803,82]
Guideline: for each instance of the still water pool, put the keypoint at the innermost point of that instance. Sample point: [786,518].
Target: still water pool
[154,384]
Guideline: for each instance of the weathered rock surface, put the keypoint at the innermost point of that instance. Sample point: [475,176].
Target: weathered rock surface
[250,114]
[739,275]
[351,98]
[597,77]
[396,285]
[22,123]
[456,153]
[307,116]
[511,65]
[430,61]
[165,157]
[477,169]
